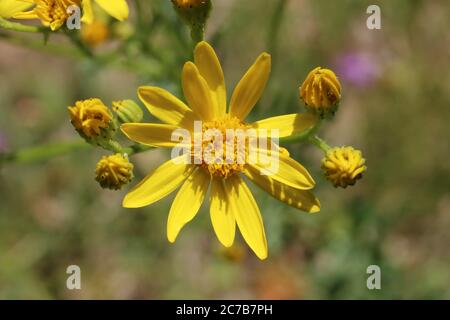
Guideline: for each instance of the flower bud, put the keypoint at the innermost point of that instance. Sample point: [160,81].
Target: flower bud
[127,111]
[343,166]
[194,13]
[95,33]
[92,120]
[321,92]
[113,172]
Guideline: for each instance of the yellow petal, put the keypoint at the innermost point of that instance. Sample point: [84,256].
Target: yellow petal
[210,69]
[332,85]
[247,215]
[115,8]
[88,13]
[10,8]
[158,184]
[197,92]
[221,213]
[289,125]
[27,15]
[251,87]
[332,77]
[187,202]
[55,25]
[288,171]
[166,107]
[152,134]
[300,199]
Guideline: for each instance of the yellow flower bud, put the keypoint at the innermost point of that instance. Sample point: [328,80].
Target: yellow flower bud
[91,118]
[113,172]
[343,166]
[321,92]
[194,13]
[189,3]
[95,33]
[127,111]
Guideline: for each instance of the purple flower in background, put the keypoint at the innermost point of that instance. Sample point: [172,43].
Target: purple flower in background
[356,68]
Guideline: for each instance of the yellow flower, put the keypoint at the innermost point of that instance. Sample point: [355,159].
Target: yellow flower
[95,33]
[321,92]
[89,117]
[52,13]
[343,166]
[115,8]
[231,202]
[113,172]
[9,8]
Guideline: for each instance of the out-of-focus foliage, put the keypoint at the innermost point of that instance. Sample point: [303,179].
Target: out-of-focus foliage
[395,107]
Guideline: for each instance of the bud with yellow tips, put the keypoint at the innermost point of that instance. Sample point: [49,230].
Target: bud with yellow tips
[343,166]
[113,172]
[92,120]
[321,92]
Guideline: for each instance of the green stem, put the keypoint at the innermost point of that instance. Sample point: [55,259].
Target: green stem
[320,143]
[298,138]
[75,53]
[40,45]
[113,145]
[274,27]
[136,149]
[47,151]
[198,33]
[304,135]
[42,152]
[310,136]
[5,24]
[142,26]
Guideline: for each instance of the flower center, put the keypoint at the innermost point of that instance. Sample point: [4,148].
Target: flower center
[223,146]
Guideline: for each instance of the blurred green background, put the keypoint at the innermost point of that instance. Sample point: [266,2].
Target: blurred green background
[395,108]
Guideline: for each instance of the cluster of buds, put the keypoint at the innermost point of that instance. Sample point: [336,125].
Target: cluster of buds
[321,93]
[97,124]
